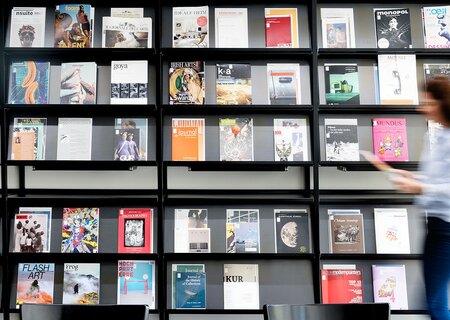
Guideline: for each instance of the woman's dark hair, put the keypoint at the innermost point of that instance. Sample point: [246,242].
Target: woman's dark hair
[439,88]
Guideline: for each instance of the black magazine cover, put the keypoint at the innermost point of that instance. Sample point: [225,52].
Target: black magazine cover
[292,231]
[393,28]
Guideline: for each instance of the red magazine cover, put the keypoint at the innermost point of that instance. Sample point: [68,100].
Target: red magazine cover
[135,230]
[341,286]
[278,32]
[390,141]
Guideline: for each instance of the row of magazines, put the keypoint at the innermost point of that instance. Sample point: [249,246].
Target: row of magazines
[74,27]
[241,284]
[236,136]
[394,82]
[80,230]
[128,28]
[136,279]
[128,138]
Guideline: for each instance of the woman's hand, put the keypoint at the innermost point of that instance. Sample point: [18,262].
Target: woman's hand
[407,185]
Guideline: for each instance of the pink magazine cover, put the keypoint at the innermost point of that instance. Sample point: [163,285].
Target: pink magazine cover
[389,139]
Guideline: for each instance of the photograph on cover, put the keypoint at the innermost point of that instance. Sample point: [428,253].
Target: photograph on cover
[134,232]
[336,32]
[121,39]
[393,28]
[127,145]
[73,27]
[198,218]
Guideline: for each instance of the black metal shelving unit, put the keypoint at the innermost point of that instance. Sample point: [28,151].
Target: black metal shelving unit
[310,196]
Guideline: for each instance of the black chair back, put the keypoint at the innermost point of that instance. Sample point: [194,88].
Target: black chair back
[354,311]
[83,312]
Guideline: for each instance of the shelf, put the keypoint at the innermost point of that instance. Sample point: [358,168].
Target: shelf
[214,311]
[369,256]
[207,197]
[368,109]
[77,257]
[366,166]
[364,197]
[81,54]
[245,109]
[73,165]
[153,311]
[372,53]
[235,256]
[238,165]
[106,110]
[85,198]
[230,54]
[409,312]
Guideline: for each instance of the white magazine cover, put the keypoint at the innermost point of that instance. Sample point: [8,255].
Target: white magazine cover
[231,27]
[340,13]
[341,140]
[290,140]
[242,294]
[391,230]
[32,223]
[74,139]
[78,83]
[389,285]
[186,219]
[398,79]
[436,21]
[27,27]
[190,27]
[129,82]
[126,32]
[81,283]
[283,83]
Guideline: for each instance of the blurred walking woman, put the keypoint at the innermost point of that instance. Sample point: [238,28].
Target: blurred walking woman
[432,187]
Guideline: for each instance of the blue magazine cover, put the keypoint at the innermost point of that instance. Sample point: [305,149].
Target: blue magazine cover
[136,282]
[190,290]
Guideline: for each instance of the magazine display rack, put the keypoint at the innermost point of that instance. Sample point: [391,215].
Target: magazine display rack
[283,277]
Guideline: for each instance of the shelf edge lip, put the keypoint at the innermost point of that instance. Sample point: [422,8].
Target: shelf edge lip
[368,108]
[238,51]
[370,256]
[410,311]
[230,165]
[366,166]
[56,256]
[366,200]
[150,311]
[81,165]
[14,194]
[92,107]
[237,256]
[52,50]
[379,51]
[215,311]
[169,109]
